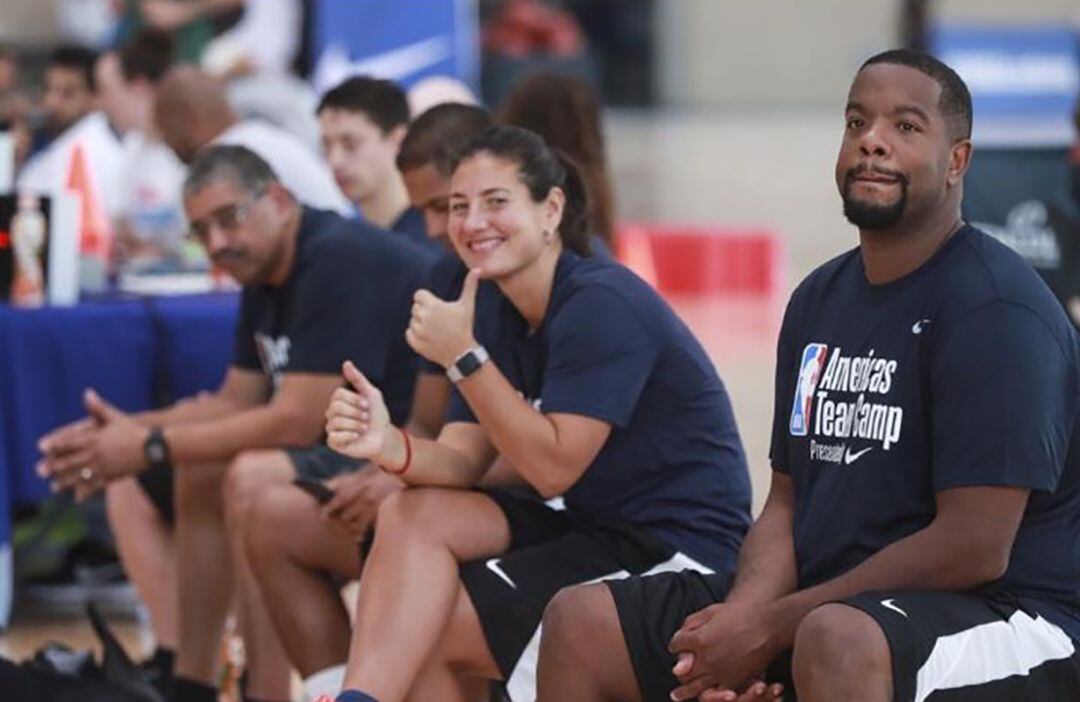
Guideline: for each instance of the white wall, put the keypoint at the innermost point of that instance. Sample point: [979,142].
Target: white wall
[775,53]
[27,22]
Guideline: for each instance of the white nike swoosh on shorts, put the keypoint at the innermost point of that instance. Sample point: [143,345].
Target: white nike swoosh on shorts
[493,565]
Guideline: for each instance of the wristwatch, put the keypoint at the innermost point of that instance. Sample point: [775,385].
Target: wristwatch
[156,449]
[467,364]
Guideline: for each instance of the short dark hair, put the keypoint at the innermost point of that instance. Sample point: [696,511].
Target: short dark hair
[76,58]
[239,164]
[381,101]
[148,55]
[436,136]
[955,102]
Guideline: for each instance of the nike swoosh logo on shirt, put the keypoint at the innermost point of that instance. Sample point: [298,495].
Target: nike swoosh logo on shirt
[850,457]
[493,565]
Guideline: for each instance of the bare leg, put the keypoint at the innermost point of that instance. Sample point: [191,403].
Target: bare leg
[292,549]
[583,654]
[410,586]
[204,570]
[249,474]
[146,548]
[841,655]
[460,667]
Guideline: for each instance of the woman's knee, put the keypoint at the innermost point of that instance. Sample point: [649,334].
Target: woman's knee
[413,511]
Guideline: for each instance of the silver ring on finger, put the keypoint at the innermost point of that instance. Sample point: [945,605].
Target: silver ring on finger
[86,473]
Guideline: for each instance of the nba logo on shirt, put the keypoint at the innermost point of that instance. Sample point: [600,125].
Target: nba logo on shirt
[813,362]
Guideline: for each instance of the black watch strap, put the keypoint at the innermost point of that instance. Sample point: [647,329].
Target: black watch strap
[156,449]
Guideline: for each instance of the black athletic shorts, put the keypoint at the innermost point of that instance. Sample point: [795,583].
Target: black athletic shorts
[972,647]
[548,551]
[316,462]
[651,609]
[945,647]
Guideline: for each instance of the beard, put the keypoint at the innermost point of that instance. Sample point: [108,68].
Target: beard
[873,215]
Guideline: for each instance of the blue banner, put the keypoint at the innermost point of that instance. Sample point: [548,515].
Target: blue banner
[402,40]
[1014,72]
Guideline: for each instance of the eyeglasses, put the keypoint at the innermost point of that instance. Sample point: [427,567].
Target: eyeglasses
[228,217]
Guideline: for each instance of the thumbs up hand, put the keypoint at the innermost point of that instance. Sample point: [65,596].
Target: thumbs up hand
[439,330]
[357,421]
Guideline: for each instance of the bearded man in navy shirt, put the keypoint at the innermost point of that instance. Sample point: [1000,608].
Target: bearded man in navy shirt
[920,539]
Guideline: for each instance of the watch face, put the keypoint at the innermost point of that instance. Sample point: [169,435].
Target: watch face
[155,449]
[468,364]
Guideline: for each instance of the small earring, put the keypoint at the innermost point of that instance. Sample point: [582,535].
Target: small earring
[547,235]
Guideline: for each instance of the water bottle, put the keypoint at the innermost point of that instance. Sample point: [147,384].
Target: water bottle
[28,247]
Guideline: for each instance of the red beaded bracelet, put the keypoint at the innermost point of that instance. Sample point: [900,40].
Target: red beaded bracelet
[408,455]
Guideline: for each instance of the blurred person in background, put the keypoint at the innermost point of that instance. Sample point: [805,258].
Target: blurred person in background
[9,79]
[15,106]
[265,40]
[192,24]
[319,289]
[253,48]
[257,56]
[72,118]
[565,110]
[362,122]
[428,92]
[300,552]
[89,23]
[192,111]
[1043,223]
[70,91]
[521,36]
[150,227]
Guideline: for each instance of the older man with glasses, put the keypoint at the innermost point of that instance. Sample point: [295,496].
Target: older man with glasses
[318,290]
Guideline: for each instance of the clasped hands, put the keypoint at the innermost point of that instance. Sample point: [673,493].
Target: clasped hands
[722,652]
[87,454]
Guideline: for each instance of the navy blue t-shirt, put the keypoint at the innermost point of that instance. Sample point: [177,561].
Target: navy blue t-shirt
[963,373]
[348,296]
[411,224]
[610,348]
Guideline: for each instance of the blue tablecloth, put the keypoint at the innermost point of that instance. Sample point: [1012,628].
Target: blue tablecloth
[136,352]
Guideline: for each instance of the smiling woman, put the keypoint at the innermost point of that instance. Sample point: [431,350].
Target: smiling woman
[591,388]
[509,197]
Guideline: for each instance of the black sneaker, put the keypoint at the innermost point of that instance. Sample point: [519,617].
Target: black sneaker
[158,671]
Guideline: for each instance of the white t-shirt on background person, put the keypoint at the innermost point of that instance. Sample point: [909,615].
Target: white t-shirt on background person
[301,170]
